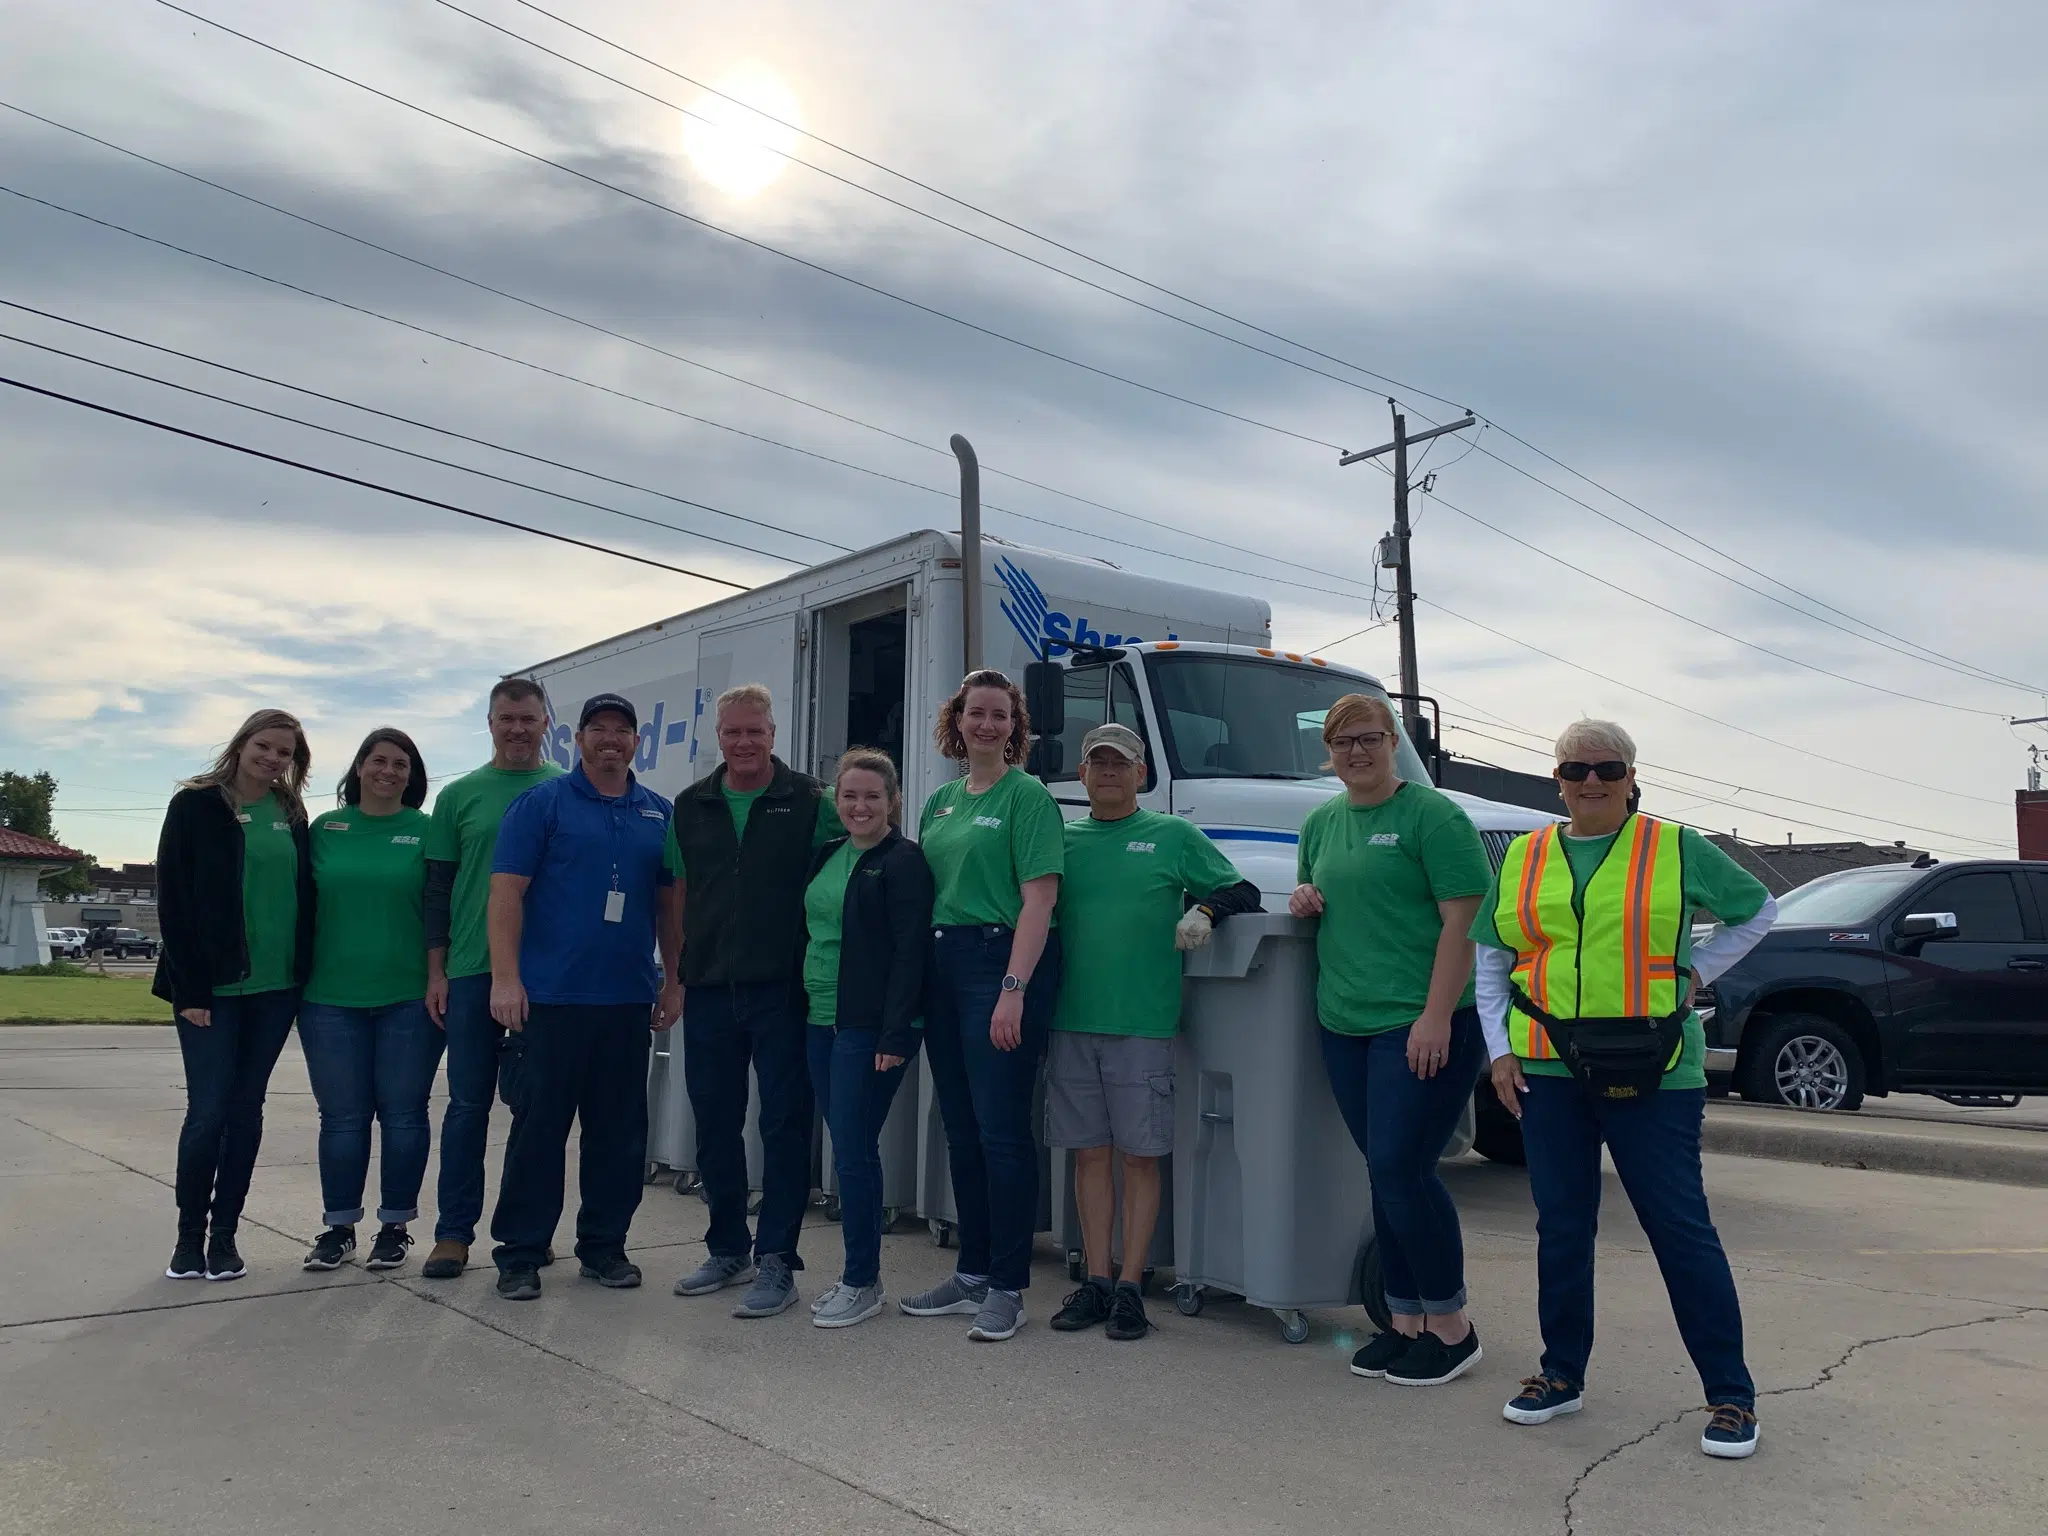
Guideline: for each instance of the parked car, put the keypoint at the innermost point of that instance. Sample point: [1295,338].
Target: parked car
[1929,977]
[130,944]
[67,943]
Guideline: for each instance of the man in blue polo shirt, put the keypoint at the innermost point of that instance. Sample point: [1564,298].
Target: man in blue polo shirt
[577,884]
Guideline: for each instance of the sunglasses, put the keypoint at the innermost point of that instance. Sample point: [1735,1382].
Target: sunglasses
[1613,771]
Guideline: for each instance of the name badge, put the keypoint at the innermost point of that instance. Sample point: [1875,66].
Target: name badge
[614,906]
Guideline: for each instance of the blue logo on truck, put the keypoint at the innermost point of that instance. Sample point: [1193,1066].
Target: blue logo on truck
[1043,627]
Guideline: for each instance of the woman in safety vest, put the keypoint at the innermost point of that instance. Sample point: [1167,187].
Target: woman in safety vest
[1586,977]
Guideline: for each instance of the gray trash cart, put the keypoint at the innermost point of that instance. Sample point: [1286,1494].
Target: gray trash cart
[1272,1199]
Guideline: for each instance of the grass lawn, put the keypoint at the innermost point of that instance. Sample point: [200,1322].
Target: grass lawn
[80,1000]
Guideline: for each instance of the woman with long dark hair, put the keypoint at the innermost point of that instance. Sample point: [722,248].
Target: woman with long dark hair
[235,900]
[371,1048]
[994,842]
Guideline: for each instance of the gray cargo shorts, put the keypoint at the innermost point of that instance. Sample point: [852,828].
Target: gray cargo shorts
[1109,1090]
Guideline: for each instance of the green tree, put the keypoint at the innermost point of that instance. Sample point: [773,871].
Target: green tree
[27,804]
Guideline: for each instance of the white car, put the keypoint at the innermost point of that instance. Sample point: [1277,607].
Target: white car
[67,943]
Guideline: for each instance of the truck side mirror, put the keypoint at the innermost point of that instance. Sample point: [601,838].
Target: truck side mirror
[1048,755]
[1045,696]
[1921,926]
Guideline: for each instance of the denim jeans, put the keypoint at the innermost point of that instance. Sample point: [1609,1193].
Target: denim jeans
[1402,1123]
[573,1061]
[985,1095]
[227,1070]
[1655,1142]
[855,1099]
[726,1027]
[476,1046]
[364,1062]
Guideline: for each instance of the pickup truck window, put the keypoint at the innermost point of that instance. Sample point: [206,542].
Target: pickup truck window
[1854,896]
[1986,906]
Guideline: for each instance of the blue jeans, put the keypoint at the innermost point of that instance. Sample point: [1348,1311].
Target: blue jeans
[1655,1143]
[855,1099]
[227,1071]
[1402,1123]
[475,1049]
[726,1027]
[573,1062]
[985,1095]
[366,1061]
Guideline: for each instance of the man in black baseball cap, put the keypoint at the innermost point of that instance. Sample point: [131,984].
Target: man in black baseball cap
[599,703]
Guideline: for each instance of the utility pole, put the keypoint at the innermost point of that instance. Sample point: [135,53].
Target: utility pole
[1404,567]
[970,553]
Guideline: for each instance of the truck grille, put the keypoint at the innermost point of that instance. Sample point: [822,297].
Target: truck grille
[1496,845]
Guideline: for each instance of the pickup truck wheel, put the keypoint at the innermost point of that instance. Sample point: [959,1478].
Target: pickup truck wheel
[1806,1061]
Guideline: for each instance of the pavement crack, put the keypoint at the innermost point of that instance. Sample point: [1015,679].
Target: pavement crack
[186,1306]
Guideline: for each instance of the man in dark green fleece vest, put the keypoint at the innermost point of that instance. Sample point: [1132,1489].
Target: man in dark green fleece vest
[740,847]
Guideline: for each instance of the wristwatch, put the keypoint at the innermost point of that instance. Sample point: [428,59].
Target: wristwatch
[1014,984]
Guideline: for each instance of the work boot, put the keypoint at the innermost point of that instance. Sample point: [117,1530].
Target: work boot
[448,1260]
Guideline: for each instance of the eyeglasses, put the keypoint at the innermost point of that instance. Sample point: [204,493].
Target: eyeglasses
[1610,772]
[1364,741]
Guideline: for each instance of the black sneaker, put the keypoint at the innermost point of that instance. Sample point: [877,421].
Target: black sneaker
[1730,1433]
[1127,1319]
[1430,1362]
[188,1259]
[330,1248]
[1542,1399]
[223,1258]
[1087,1307]
[614,1271]
[1381,1351]
[522,1284]
[388,1251]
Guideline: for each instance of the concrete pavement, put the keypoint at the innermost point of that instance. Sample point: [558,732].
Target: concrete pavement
[1898,1327]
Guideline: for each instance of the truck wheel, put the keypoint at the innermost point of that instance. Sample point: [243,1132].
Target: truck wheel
[1371,1285]
[1806,1061]
[1496,1134]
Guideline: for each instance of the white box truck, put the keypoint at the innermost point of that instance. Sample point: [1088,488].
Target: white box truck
[862,651]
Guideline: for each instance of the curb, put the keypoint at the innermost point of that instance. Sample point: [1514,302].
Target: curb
[1987,1155]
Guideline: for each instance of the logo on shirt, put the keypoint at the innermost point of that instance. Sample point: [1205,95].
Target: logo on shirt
[330,826]
[1141,847]
[406,842]
[1384,840]
[653,815]
[944,810]
[988,821]
[243,817]
[280,826]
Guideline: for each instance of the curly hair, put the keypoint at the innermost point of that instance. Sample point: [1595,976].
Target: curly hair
[947,735]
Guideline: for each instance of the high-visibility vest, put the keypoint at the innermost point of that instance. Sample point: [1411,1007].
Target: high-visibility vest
[1614,954]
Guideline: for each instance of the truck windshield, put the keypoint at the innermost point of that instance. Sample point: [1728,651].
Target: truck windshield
[1232,717]
[1854,896]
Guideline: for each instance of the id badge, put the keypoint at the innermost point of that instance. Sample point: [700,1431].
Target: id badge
[614,906]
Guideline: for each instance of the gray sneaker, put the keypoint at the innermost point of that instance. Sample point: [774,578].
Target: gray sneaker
[825,1300]
[1001,1315]
[846,1306]
[949,1295]
[773,1290]
[715,1274]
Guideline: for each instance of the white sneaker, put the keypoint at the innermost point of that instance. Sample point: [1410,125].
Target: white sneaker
[826,1296]
[848,1305]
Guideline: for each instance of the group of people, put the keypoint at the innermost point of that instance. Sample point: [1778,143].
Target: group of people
[802,936]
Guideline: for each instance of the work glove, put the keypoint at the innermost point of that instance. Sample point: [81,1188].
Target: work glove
[1193,931]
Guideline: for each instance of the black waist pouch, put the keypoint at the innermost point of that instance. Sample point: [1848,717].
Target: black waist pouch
[1620,1058]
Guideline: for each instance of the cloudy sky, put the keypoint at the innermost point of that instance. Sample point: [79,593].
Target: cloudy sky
[1767,276]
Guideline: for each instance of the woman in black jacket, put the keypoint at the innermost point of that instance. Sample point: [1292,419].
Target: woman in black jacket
[235,899]
[868,916]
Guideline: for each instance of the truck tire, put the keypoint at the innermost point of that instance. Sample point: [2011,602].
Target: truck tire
[1803,1060]
[1496,1134]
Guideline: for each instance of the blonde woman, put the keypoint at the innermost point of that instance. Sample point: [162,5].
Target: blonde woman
[235,898]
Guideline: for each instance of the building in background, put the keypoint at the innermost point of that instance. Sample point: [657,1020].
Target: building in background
[1786,866]
[23,861]
[129,883]
[2030,810]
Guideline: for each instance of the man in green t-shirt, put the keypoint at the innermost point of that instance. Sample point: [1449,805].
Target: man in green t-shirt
[460,841]
[1124,919]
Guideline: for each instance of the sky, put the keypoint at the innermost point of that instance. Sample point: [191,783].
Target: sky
[1748,298]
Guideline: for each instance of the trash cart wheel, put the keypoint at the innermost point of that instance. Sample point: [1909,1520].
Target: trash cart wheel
[832,1208]
[942,1232]
[686,1181]
[1371,1285]
[1077,1265]
[1145,1281]
[651,1173]
[1187,1300]
[1293,1325]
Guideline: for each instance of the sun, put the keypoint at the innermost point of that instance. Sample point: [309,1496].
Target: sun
[735,147]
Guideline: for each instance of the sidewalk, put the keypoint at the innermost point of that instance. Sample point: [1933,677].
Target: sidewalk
[1955,1148]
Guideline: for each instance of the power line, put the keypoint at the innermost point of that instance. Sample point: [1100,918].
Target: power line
[1728,725]
[369,485]
[1930,657]
[760,245]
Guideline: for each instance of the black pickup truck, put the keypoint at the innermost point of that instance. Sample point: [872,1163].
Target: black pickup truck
[1923,978]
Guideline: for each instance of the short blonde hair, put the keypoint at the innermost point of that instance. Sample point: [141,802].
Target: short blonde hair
[754,694]
[1350,711]
[1583,738]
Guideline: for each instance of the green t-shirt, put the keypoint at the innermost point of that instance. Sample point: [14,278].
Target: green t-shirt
[270,899]
[740,802]
[1712,883]
[982,848]
[369,928]
[1124,890]
[824,911]
[464,832]
[1382,870]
